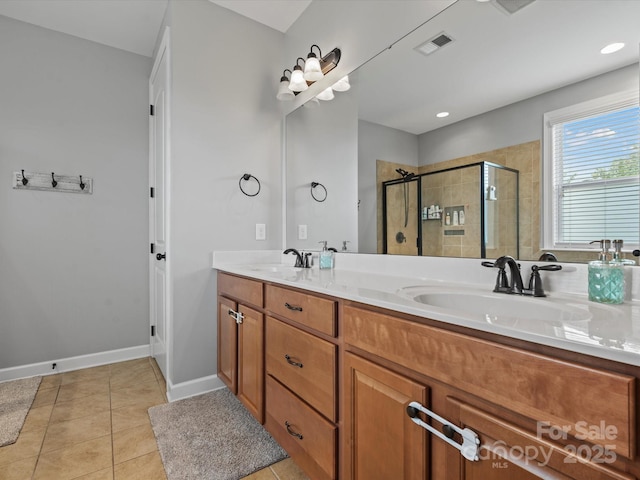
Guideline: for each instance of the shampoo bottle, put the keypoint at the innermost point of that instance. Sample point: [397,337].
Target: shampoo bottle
[326,257]
[606,277]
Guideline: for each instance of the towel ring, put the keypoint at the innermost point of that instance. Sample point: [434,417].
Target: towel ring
[246,177]
[314,185]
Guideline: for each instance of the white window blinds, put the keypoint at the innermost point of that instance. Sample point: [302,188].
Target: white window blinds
[595,165]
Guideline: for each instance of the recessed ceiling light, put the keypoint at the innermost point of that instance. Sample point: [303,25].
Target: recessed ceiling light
[442,114]
[612,47]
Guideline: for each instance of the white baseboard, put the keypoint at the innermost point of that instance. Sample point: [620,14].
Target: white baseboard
[74,363]
[193,387]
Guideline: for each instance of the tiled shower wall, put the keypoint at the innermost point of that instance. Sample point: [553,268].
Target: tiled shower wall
[524,157]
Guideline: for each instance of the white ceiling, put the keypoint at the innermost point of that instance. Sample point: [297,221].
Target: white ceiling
[278,14]
[495,59]
[130,25]
[133,25]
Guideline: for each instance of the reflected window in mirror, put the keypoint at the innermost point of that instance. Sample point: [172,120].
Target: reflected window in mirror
[593,171]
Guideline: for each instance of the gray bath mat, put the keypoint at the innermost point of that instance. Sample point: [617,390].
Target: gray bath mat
[16,398]
[211,437]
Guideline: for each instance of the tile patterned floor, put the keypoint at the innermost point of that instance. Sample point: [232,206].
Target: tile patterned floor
[92,424]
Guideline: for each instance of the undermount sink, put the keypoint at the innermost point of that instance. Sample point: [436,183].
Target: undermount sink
[498,308]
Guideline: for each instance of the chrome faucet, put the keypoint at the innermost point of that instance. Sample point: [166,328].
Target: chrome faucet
[513,284]
[302,261]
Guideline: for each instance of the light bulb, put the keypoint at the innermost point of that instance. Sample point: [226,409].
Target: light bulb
[283,91]
[298,83]
[312,70]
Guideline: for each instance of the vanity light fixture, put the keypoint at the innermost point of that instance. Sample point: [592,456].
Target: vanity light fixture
[284,93]
[298,83]
[312,70]
[442,114]
[612,48]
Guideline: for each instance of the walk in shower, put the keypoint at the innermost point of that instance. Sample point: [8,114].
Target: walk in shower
[470,211]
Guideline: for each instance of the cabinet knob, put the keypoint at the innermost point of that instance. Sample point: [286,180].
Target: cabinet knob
[161,256]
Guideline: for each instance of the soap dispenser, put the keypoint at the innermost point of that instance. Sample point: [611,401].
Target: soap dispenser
[618,256]
[326,257]
[606,277]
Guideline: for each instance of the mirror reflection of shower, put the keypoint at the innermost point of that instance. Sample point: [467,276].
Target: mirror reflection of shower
[406,176]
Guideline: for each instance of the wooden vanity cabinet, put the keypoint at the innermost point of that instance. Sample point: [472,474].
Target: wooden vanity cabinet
[381,440]
[241,340]
[302,388]
[509,397]
[334,391]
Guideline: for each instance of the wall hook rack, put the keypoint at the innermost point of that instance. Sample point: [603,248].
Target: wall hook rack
[52,182]
[246,177]
[323,197]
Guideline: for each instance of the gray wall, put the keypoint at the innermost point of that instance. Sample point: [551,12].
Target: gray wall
[519,122]
[322,147]
[225,122]
[376,142]
[73,268]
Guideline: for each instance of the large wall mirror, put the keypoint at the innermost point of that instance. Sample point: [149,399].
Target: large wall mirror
[497,73]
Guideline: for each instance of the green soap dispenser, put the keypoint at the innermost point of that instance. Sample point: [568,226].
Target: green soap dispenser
[326,257]
[606,277]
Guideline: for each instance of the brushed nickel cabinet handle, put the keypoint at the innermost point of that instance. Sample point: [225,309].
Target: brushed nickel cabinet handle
[295,308]
[292,362]
[291,432]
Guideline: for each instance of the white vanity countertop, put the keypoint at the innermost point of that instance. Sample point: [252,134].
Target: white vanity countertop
[604,331]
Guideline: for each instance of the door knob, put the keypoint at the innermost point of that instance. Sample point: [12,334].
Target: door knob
[161,256]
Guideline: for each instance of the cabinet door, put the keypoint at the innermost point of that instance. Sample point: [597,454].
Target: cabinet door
[509,452]
[227,344]
[381,441]
[251,361]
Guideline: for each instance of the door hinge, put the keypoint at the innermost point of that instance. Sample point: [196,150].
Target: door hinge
[152,192]
[153,248]
[151,110]
[153,330]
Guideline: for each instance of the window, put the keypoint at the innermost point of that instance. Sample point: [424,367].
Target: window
[592,173]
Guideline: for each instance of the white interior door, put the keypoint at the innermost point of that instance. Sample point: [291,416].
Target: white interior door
[158,162]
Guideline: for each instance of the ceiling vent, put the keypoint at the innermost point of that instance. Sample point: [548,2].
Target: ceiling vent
[511,6]
[433,44]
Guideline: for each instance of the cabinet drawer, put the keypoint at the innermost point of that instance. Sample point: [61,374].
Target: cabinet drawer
[248,291]
[308,438]
[541,388]
[304,363]
[517,453]
[314,312]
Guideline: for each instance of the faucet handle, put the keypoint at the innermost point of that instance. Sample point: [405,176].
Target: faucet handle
[307,260]
[502,281]
[535,282]
[550,268]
